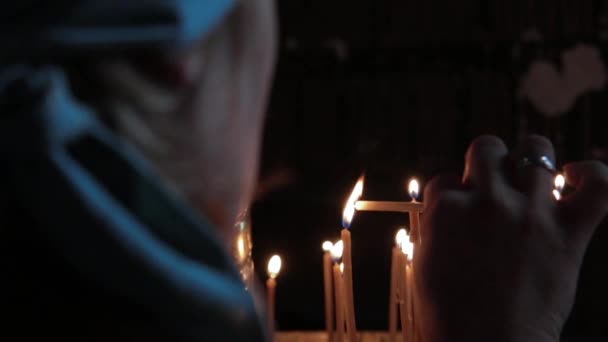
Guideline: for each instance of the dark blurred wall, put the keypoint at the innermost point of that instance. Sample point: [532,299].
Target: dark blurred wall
[395,89]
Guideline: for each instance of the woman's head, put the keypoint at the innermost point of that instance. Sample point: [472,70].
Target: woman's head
[197,113]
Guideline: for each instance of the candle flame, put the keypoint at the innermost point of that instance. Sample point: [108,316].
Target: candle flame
[410,251]
[327,246]
[557,195]
[341,267]
[349,208]
[407,247]
[274,266]
[337,250]
[401,237]
[560,182]
[413,189]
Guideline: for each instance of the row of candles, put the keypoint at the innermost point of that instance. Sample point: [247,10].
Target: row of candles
[337,268]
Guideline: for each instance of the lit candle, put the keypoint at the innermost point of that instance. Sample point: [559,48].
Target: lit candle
[328,286]
[274,267]
[402,293]
[393,300]
[560,183]
[409,299]
[347,217]
[414,191]
[336,255]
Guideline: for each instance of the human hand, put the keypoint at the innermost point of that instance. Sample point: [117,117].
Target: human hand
[500,257]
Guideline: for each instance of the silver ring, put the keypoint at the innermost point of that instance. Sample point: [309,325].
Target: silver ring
[543,162]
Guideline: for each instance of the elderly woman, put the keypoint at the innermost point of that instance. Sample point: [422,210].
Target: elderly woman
[130,136]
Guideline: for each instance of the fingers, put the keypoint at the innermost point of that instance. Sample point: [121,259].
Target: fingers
[484,165]
[588,205]
[535,181]
[437,185]
[444,196]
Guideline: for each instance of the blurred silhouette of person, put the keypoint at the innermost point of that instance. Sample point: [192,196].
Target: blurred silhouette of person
[130,134]
[130,138]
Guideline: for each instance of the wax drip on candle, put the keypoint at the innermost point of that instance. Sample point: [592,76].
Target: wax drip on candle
[274,266]
[350,207]
[414,189]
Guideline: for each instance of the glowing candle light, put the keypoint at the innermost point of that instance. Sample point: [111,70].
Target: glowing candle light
[399,207]
[328,286]
[557,194]
[240,248]
[347,217]
[274,267]
[413,189]
[336,255]
[400,237]
[560,182]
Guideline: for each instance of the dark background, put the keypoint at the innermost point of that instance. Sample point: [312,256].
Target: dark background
[395,89]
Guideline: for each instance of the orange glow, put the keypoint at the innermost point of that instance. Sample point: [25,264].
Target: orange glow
[240,248]
[349,207]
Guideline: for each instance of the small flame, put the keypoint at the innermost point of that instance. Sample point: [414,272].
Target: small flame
[274,266]
[414,189]
[401,237]
[327,246]
[349,208]
[337,250]
[410,251]
[341,267]
[560,182]
[407,248]
[557,195]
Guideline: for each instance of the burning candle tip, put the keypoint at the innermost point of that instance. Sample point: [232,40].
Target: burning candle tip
[350,207]
[337,250]
[327,246]
[274,266]
[414,189]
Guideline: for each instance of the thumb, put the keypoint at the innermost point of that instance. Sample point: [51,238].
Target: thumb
[585,208]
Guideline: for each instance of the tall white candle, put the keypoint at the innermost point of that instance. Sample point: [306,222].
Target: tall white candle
[393,300]
[328,287]
[415,233]
[347,217]
[336,254]
[274,267]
